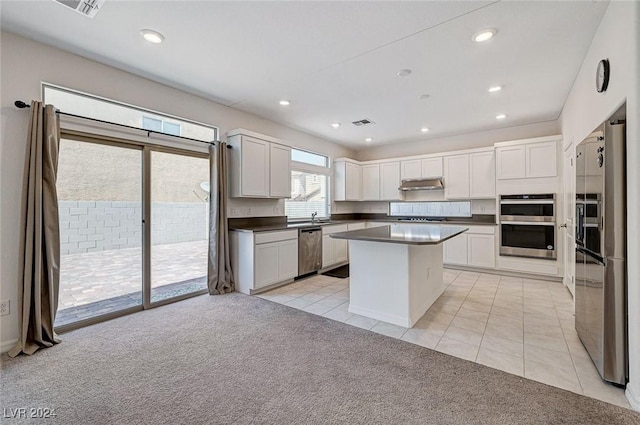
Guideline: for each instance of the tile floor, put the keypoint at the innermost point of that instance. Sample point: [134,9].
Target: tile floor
[521,326]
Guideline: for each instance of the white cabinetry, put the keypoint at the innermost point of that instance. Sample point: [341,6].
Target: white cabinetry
[476,247]
[455,250]
[432,167]
[263,259]
[482,171]
[371,182]
[526,160]
[390,181]
[280,171]
[334,251]
[348,181]
[456,176]
[541,160]
[411,169]
[258,168]
[421,168]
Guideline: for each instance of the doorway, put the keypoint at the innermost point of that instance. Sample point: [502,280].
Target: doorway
[133,228]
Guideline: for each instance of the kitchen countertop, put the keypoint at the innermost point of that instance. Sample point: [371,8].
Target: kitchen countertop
[291,226]
[404,233]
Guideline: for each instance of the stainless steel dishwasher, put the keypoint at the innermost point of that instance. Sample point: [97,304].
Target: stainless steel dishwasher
[309,250]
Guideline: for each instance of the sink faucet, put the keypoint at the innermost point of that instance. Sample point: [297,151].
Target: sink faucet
[313,217]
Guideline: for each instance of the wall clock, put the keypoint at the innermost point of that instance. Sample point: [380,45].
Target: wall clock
[602,75]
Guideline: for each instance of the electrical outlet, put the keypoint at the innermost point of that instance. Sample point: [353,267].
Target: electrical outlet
[5,307]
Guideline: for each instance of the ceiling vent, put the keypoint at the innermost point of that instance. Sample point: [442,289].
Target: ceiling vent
[86,7]
[363,122]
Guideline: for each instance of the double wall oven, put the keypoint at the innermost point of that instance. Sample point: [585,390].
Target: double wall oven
[528,226]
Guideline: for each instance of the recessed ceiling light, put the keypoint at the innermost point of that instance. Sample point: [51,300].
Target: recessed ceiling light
[501,116]
[152,36]
[423,97]
[484,35]
[404,72]
[368,139]
[285,102]
[424,129]
[335,124]
[495,89]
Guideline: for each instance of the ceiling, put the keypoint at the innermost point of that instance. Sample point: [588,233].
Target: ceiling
[338,61]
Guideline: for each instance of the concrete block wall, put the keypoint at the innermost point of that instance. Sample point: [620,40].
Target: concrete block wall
[91,226]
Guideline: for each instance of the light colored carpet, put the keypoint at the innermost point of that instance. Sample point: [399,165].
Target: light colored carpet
[242,360]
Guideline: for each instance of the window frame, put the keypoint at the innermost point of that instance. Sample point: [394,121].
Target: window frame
[313,169]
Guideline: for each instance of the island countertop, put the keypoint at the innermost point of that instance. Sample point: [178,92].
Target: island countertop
[404,234]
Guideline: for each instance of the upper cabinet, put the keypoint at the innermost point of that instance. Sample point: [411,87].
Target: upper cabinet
[371,182]
[421,168]
[482,172]
[347,180]
[456,176]
[526,159]
[432,167]
[280,171]
[258,168]
[390,181]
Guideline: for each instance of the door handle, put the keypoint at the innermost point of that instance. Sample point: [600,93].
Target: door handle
[564,225]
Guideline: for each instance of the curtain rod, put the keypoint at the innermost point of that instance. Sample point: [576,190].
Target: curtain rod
[22,105]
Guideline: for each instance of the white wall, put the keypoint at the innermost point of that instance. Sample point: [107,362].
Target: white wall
[459,142]
[25,64]
[618,39]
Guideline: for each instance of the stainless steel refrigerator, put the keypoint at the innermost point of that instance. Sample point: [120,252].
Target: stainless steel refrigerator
[600,290]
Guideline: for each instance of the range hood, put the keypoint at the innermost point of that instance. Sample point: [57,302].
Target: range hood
[433,183]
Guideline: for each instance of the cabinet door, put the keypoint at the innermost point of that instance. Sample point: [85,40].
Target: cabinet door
[255,167]
[510,162]
[482,170]
[353,182]
[411,169]
[390,181]
[432,167]
[371,182]
[482,250]
[328,251]
[340,248]
[456,177]
[287,259]
[455,250]
[280,171]
[266,264]
[541,160]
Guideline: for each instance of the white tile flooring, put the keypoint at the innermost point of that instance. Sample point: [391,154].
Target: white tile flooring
[521,326]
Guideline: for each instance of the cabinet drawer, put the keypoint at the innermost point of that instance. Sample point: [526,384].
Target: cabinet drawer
[482,230]
[265,237]
[327,230]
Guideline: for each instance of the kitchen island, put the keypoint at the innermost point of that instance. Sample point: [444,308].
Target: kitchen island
[396,271]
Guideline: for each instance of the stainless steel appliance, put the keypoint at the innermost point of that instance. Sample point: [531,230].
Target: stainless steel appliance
[528,225]
[309,250]
[600,290]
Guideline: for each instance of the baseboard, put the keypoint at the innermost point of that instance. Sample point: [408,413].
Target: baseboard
[8,345]
[389,318]
[503,272]
[634,400]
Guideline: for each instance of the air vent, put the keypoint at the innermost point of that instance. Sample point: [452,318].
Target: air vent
[86,7]
[363,122]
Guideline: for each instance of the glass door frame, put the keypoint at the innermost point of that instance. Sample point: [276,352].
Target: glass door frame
[147,223]
[145,149]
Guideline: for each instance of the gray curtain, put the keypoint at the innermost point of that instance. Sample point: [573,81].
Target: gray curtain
[220,276]
[40,243]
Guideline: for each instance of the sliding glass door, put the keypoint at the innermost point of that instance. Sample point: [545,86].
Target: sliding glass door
[100,204]
[179,224]
[133,228]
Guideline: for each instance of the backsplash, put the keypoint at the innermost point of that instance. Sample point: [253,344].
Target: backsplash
[431,209]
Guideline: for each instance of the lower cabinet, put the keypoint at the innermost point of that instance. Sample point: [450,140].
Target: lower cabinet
[476,247]
[334,251]
[264,258]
